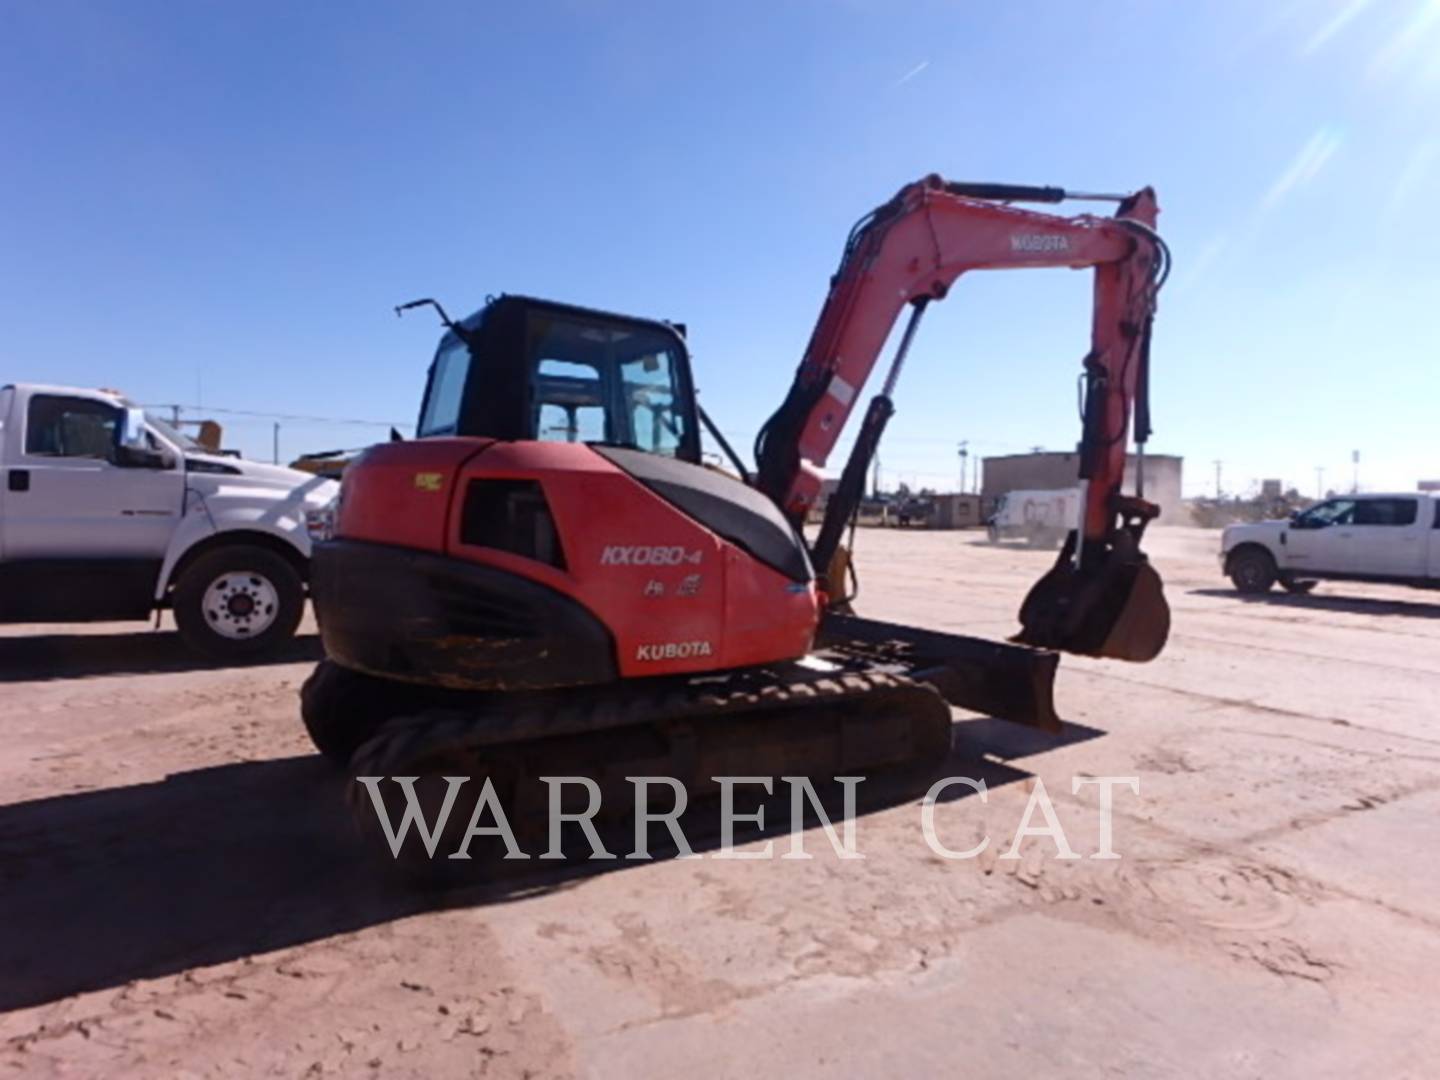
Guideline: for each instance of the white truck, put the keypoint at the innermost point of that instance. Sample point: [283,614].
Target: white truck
[1382,538]
[1040,518]
[107,512]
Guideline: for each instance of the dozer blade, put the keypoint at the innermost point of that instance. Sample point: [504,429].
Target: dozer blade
[1114,607]
[1005,681]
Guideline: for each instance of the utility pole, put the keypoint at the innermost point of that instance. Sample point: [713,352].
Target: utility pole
[1320,481]
[275,446]
[1355,460]
[964,457]
[1217,478]
[875,479]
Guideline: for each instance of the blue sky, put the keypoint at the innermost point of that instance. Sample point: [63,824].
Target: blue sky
[218,204]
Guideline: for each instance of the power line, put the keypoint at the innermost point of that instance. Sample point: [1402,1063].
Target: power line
[290,417]
[893,440]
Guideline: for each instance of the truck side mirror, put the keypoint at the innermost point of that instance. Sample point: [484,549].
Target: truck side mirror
[130,435]
[132,444]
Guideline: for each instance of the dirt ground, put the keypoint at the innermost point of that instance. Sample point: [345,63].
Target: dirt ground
[181,894]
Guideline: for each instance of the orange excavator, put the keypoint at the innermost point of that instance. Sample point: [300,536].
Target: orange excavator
[549,573]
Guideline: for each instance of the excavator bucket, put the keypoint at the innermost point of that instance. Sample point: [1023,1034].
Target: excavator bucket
[1113,606]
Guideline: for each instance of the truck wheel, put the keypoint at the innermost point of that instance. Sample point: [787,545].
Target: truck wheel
[1253,571]
[238,601]
[343,708]
[1298,588]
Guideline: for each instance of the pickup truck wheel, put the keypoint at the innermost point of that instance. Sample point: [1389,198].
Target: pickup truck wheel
[238,601]
[1253,571]
[1299,588]
[343,708]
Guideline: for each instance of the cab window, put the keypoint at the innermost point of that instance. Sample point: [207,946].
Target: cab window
[1334,512]
[608,382]
[70,427]
[1385,512]
[441,415]
[571,403]
[647,384]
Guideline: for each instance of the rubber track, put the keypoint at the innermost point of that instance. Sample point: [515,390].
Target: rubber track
[440,733]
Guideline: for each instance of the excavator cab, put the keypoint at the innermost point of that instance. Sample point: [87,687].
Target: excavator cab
[527,369]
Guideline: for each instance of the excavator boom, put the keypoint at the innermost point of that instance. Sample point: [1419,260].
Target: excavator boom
[909,252]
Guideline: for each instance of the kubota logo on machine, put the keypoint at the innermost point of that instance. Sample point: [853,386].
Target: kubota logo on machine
[673,650]
[648,555]
[1039,242]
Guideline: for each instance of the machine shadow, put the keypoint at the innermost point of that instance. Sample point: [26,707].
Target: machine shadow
[1354,605]
[47,657]
[104,887]
[701,825]
[986,735]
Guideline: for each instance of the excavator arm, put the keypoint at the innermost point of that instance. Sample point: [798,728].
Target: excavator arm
[1102,597]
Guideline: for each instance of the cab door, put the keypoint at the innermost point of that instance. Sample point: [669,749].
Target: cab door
[1389,540]
[1320,539]
[84,538]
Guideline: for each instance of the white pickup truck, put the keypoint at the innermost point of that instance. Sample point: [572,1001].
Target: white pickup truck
[107,512]
[1384,538]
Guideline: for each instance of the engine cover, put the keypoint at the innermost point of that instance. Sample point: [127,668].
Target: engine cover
[682,569]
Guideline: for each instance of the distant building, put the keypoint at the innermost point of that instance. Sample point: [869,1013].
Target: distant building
[956,511]
[1045,470]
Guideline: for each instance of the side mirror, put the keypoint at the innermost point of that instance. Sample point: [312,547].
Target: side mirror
[130,435]
[132,446]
